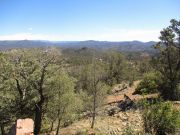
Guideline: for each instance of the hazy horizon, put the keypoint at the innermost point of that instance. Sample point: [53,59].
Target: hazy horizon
[78,40]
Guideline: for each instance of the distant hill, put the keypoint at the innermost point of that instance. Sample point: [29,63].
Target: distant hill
[7,44]
[125,46]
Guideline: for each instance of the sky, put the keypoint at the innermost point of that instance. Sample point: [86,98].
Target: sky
[77,20]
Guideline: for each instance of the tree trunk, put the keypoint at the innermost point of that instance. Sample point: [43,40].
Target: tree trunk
[94,93]
[2,130]
[94,111]
[59,122]
[39,105]
[93,120]
[38,118]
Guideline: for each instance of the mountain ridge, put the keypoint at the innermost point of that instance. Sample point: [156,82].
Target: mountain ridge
[130,46]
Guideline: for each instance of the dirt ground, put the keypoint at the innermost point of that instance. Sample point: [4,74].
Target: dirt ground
[107,125]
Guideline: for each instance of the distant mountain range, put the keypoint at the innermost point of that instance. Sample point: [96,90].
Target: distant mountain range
[125,46]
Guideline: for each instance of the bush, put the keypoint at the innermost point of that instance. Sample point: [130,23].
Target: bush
[149,84]
[170,90]
[161,119]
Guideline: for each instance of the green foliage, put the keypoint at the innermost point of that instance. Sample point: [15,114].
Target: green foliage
[7,95]
[161,118]
[149,84]
[25,77]
[115,66]
[64,104]
[168,61]
[145,65]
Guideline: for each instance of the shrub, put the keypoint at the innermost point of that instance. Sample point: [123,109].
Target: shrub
[161,119]
[149,84]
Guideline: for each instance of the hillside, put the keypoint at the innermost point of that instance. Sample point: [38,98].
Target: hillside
[116,123]
[126,46]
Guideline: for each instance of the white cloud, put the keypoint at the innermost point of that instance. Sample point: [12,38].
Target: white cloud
[107,35]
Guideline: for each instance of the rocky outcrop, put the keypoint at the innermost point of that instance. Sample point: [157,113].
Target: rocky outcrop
[126,104]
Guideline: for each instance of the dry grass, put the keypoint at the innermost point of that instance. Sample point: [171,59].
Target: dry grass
[110,124]
[107,124]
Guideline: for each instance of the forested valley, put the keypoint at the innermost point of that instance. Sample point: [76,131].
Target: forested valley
[60,87]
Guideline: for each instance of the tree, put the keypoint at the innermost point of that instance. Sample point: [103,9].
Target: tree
[40,86]
[96,88]
[98,91]
[7,102]
[115,64]
[64,102]
[168,61]
[30,73]
[149,84]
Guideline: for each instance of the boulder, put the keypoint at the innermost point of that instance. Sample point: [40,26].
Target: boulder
[23,127]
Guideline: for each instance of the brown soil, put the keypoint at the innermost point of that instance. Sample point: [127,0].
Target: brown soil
[107,125]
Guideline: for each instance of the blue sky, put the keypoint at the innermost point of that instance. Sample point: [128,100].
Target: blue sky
[112,20]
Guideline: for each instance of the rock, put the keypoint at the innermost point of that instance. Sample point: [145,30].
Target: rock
[124,123]
[127,115]
[113,110]
[124,118]
[126,104]
[23,127]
